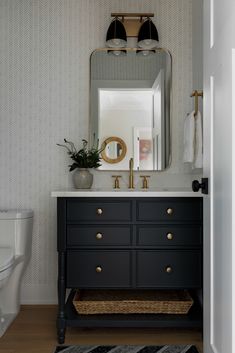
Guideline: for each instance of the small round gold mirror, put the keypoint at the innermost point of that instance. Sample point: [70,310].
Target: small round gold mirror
[114,150]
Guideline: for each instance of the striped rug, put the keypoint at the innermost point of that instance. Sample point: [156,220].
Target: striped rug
[127,349]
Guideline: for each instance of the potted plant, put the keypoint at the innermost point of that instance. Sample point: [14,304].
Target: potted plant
[83,159]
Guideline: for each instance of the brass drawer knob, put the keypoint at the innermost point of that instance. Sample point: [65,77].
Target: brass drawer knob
[168,269]
[169,236]
[99,211]
[99,236]
[169,211]
[98,269]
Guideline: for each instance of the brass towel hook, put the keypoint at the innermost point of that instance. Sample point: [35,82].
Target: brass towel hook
[196,94]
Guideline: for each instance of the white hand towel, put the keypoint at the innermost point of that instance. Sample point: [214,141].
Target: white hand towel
[198,153]
[189,136]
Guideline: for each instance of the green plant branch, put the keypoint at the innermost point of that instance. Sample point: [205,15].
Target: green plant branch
[85,157]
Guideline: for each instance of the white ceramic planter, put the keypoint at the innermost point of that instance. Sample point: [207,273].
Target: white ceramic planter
[82,178]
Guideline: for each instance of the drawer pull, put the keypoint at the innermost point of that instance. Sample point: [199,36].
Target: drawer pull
[99,211]
[98,269]
[169,211]
[168,269]
[169,236]
[99,236]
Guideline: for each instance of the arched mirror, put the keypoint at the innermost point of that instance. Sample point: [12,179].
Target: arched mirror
[130,97]
[114,150]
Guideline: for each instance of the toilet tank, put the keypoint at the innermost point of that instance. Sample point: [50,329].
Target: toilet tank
[16,230]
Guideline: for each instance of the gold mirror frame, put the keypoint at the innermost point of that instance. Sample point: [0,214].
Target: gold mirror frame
[113,160]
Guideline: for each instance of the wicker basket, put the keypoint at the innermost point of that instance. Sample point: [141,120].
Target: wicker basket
[132,302]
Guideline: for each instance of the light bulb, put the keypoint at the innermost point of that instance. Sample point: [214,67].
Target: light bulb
[116,52]
[147,41]
[116,41]
[145,52]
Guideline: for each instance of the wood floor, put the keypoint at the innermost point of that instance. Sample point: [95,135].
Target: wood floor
[34,331]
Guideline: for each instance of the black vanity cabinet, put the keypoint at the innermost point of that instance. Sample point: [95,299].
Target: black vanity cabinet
[128,243]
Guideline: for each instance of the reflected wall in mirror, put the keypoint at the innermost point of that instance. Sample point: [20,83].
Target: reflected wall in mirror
[130,98]
[114,150]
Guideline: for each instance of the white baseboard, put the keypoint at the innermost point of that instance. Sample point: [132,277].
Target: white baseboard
[38,294]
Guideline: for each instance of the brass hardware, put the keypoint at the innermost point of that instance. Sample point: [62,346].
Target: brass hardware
[168,269]
[145,181]
[116,181]
[130,14]
[169,236]
[120,148]
[169,211]
[131,175]
[99,236]
[99,211]
[98,269]
[196,94]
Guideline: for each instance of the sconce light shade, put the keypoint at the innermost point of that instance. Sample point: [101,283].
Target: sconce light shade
[145,52]
[116,34]
[148,35]
[117,52]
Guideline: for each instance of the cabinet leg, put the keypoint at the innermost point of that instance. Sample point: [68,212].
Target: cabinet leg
[61,321]
[61,333]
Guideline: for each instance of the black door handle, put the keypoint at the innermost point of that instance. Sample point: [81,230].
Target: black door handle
[196,186]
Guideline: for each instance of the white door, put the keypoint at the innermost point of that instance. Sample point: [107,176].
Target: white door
[219,41]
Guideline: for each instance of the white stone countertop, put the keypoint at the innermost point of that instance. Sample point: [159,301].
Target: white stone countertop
[102,192]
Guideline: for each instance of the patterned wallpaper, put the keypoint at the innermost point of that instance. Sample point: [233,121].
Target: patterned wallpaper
[128,67]
[44,96]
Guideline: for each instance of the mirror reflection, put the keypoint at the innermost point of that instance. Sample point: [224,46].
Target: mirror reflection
[130,99]
[114,150]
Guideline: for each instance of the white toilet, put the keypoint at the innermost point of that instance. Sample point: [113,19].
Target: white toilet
[15,251]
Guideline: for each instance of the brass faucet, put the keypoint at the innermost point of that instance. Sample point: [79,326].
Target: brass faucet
[145,181]
[116,181]
[131,175]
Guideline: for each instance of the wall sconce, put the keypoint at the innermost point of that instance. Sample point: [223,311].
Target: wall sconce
[137,25]
[116,34]
[148,35]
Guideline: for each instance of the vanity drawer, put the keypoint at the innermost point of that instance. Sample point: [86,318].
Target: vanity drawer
[96,210]
[99,269]
[169,209]
[98,235]
[169,269]
[184,236]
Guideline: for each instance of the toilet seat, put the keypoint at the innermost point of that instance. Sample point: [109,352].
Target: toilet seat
[6,258]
